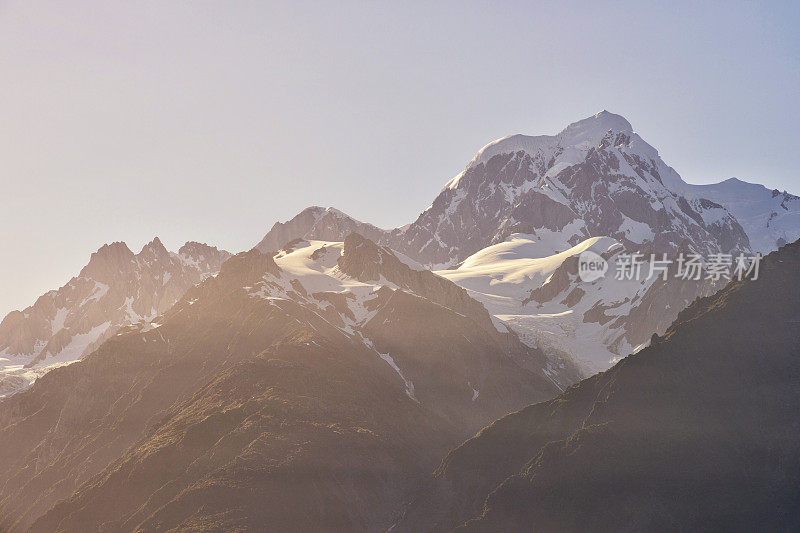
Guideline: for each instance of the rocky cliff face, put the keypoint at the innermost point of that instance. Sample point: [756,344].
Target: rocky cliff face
[309,391]
[116,288]
[696,432]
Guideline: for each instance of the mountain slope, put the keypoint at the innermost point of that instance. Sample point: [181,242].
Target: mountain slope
[698,431]
[546,197]
[593,323]
[308,391]
[769,217]
[317,223]
[116,288]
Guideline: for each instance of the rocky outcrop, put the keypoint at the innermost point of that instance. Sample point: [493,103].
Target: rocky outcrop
[367,261]
[317,223]
[116,288]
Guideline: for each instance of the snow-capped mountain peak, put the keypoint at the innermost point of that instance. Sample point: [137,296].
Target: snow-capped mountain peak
[526,204]
[582,135]
[592,129]
[595,178]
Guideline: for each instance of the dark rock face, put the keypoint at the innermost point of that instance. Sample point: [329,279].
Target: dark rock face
[697,432]
[463,220]
[660,305]
[561,282]
[366,261]
[536,210]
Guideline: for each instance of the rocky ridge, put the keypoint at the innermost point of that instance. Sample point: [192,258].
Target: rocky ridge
[116,288]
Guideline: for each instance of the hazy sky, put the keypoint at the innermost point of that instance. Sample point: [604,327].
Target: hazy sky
[210,121]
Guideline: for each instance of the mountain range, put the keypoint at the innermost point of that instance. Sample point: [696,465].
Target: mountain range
[507,229]
[528,204]
[116,288]
[271,386]
[316,381]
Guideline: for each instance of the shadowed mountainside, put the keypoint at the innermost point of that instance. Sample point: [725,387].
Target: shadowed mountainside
[699,431]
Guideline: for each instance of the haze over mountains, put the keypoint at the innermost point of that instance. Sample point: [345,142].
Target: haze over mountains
[547,194]
[597,178]
[697,432]
[270,386]
[115,289]
[315,381]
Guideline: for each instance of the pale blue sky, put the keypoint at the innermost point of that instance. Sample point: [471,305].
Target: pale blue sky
[210,121]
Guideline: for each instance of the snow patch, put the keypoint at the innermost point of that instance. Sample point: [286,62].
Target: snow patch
[409,385]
